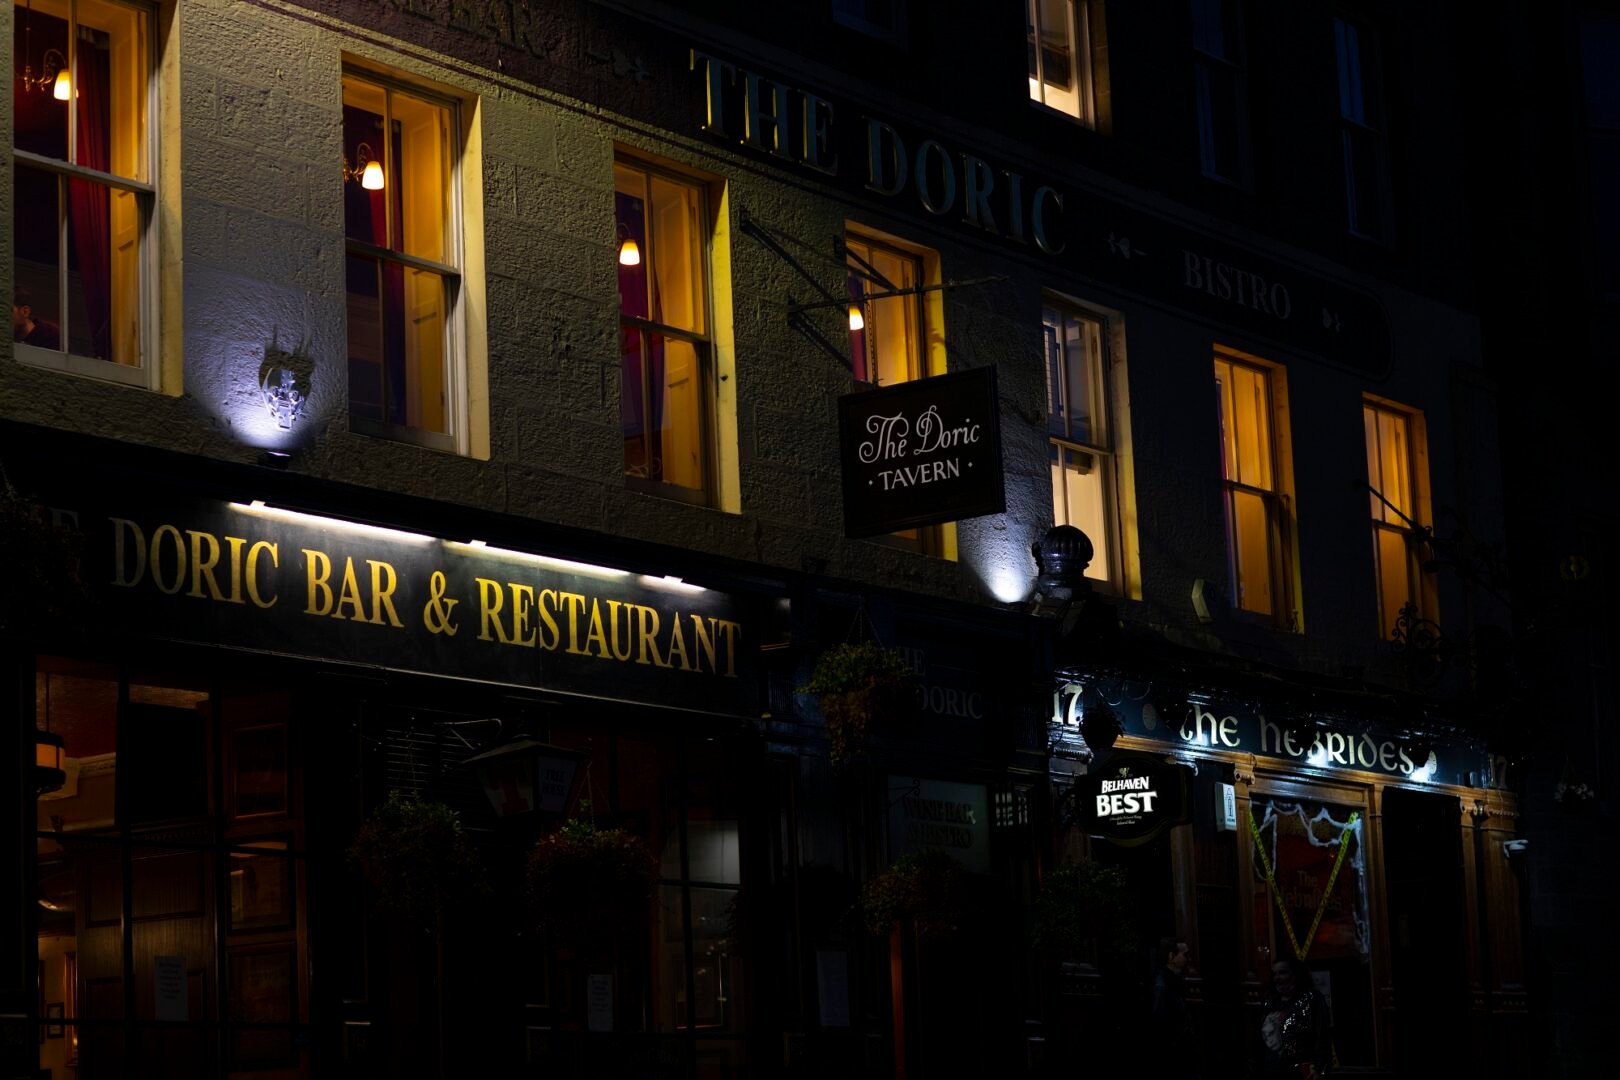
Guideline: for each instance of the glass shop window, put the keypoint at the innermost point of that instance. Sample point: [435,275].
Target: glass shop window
[400,217]
[1079,422]
[666,357]
[168,859]
[84,187]
[1310,901]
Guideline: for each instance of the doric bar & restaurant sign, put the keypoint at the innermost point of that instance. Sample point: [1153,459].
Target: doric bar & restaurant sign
[260,577]
[1132,798]
[919,453]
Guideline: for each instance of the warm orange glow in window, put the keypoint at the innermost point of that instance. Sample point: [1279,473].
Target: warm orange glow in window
[1254,507]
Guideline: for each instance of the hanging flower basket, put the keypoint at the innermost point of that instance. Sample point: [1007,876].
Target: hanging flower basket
[928,889]
[1573,795]
[1085,910]
[414,855]
[857,687]
[589,885]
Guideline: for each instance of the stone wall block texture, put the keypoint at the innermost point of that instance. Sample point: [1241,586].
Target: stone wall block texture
[257,180]
[519,129]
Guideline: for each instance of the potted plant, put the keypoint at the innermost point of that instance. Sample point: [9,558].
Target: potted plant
[855,686]
[588,885]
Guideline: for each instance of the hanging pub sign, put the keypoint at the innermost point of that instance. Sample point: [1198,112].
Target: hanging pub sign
[1132,798]
[919,453]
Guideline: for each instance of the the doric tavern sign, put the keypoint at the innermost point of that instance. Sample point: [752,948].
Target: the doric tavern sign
[1131,798]
[919,453]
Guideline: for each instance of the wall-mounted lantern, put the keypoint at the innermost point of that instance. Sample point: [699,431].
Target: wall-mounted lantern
[525,774]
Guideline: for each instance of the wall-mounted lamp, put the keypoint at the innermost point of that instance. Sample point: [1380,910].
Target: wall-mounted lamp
[367,168]
[52,75]
[857,321]
[49,775]
[526,774]
[629,250]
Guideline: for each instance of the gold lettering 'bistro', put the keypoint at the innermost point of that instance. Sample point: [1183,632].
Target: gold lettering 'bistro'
[310,586]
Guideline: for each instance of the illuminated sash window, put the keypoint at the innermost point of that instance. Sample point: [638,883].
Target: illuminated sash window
[1062,37]
[666,350]
[1398,501]
[1254,481]
[84,187]
[1081,428]
[400,218]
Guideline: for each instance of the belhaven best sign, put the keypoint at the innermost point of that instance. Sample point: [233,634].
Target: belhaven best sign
[1132,798]
[919,453]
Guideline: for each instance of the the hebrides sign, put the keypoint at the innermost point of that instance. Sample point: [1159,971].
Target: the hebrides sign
[922,452]
[1132,798]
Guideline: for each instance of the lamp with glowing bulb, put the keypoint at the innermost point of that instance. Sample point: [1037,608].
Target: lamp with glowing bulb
[49,775]
[367,169]
[629,250]
[857,321]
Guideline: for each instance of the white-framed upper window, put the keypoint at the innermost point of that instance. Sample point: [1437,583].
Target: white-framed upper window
[1361,132]
[1220,86]
[1061,76]
[1080,423]
[84,188]
[1257,487]
[402,225]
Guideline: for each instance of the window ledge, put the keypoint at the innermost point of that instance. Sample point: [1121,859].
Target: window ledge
[82,366]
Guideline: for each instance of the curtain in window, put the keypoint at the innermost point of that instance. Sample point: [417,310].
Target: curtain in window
[89,217]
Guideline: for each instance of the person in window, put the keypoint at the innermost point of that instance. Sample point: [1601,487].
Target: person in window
[29,330]
[1173,1042]
[1296,1034]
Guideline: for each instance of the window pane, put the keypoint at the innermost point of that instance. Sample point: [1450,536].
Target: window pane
[1209,27]
[1394,566]
[365,335]
[1219,121]
[39,42]
[397,345]
[661,408]
[712,851]
[36,313]
[1347,46]
[892,338]
[714,959]
[422,166]
[1055,31]
[1080,498]
[365,213]
[1251,420]
[112,73]
[1363,181]
[104,245]
[1396,469]
[675,221]
[1375,478]
[630,227]
[1249,533]
[1082,364]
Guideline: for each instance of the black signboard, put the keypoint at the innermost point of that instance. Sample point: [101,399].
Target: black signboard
[1131,798]
[261,577]
[921,452]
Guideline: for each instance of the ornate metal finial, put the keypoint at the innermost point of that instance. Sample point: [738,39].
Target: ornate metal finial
[1419,643]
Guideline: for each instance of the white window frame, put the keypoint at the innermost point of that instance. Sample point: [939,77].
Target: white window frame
[1103,448]
[458,439]
[1080,104]
[146,375]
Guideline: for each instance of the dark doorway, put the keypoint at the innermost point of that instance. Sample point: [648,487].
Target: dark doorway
[1424,870]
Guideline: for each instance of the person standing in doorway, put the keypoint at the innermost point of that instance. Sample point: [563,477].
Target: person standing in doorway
[1172,1041]
[1296,1033]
